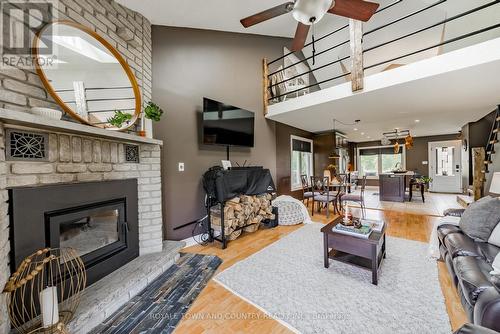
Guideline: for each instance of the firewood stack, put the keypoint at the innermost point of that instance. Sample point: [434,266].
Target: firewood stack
[241,211]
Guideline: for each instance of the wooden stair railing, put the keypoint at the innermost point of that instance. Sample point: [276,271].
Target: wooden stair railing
[492,140]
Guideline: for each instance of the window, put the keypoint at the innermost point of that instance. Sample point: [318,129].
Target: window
[373,161]
[301,160]
[444,161]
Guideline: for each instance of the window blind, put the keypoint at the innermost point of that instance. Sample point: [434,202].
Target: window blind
[301,146]
[378,150]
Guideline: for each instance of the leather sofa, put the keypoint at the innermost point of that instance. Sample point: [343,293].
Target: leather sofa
[473,329]
[469,264]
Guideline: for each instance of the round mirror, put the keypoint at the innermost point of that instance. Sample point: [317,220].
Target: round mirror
[87,76]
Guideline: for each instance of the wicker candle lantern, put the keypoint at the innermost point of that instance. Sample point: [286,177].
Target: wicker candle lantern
[44,292]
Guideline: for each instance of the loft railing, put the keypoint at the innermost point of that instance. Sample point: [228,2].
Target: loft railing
[278,87]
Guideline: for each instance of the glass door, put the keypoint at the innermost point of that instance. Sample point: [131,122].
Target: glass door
[445,166]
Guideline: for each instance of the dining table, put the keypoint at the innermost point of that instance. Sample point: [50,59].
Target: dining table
[340,186]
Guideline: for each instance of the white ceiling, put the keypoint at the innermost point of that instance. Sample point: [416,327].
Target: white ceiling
[442,103]
[222,15]
[443,93]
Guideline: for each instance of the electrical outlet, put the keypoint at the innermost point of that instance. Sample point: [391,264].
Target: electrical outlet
[181,166]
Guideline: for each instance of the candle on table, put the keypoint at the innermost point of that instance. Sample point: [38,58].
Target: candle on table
[49,306]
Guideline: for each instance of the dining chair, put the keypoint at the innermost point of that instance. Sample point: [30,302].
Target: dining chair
[337,189]
[321,194]
[354,179]
[306,190]
[357,198]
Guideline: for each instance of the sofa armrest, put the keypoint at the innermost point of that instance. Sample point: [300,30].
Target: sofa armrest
[459,244]
[487,309]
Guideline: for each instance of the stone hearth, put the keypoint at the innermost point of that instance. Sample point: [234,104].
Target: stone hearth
[72,153]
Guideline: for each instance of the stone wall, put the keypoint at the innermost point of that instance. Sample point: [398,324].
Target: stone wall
[75,158]
[21,89]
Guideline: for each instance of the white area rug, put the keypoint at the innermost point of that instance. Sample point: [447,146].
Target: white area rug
[287,280]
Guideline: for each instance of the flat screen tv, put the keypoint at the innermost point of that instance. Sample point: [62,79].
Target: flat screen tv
[227,125]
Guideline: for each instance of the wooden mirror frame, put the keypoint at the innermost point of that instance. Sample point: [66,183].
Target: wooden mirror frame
[114,52]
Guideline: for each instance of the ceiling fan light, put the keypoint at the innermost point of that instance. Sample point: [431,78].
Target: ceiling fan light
[311,11]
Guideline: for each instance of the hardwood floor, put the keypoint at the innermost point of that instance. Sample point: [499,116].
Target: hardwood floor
[216,310]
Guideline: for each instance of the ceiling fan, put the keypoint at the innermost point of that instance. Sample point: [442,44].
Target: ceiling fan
[309,12]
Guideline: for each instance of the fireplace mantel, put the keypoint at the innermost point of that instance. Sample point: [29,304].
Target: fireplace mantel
[34,121]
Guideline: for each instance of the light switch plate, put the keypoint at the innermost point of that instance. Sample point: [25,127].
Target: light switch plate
[181,167]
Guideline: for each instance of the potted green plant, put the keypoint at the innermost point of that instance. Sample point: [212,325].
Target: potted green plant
[119,118]
[153,112]
[425,180]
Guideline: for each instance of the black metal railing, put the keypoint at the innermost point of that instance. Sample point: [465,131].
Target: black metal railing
[273,84]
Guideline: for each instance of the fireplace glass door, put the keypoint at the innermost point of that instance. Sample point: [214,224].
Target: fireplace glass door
[95,232]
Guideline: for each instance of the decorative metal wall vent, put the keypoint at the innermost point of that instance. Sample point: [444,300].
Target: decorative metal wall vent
[132,153]
[23,145]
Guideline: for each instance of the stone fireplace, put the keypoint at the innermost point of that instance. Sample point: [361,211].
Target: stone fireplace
[66,182]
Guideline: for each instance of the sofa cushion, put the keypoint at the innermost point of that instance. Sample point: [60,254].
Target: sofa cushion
[473,276]
[459,244]
[444,230]
[488,251]
[495,280]
[480,218]
[494,238]
[496,266]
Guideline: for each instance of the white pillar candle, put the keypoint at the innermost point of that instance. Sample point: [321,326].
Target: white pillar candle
[49,306]
[346,210]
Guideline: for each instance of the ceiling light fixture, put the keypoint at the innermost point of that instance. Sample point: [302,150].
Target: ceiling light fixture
[309,12]
[417,121]
[334,154]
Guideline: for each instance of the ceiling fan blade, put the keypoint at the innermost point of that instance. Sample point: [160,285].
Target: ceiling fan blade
[267,14]
[300,37]
[354,9]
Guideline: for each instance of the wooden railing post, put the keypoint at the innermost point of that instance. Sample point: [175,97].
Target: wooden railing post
[265,85]
[356,43]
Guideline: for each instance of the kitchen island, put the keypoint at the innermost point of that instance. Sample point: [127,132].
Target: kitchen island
[393,186]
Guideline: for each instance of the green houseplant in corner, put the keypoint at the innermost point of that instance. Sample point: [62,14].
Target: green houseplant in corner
[153,112]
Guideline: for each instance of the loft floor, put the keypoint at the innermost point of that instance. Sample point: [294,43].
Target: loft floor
[443,92]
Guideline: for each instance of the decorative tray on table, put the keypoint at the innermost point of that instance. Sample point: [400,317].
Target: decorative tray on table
[361,232]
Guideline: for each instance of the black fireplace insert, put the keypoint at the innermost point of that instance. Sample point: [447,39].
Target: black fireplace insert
[97,219]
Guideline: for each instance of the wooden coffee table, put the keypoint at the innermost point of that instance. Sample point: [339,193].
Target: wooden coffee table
[363,253]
